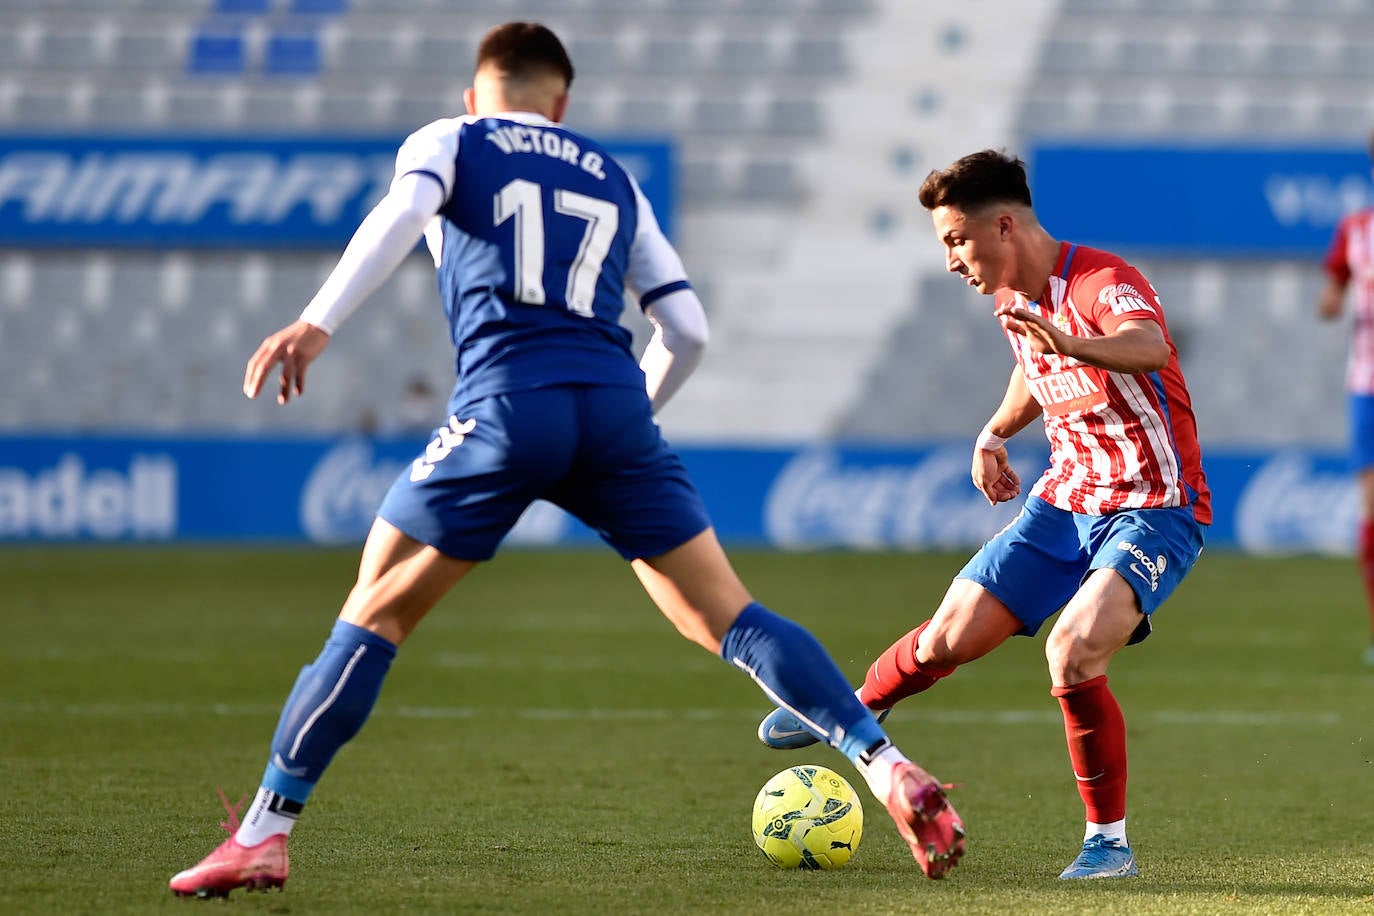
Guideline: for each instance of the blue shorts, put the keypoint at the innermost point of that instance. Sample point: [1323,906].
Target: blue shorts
[1037,563]
[594,451]
[1361,412]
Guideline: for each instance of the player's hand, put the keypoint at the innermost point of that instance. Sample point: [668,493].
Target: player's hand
[294,347]
[1037,331]
[993,475]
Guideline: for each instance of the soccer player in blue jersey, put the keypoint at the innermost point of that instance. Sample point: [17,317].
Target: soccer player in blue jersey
[536,233]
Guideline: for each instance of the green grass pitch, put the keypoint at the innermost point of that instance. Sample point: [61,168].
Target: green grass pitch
[547,744]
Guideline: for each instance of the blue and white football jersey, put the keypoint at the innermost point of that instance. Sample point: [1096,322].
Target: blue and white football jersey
[540,235]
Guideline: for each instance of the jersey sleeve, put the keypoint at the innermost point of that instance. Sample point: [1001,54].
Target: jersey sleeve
[1336,264]
[1120,294]
[432,150]
[655,268]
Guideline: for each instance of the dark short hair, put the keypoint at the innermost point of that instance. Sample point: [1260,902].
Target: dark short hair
[976,180]
[523,50]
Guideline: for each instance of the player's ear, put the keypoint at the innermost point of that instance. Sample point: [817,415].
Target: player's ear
[470,100]
[1005,224]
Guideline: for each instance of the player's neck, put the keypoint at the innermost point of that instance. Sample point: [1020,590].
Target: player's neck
[515,109]
[1038,259]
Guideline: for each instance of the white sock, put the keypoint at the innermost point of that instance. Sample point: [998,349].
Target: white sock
[877,772]
[265,818]
[1116,830]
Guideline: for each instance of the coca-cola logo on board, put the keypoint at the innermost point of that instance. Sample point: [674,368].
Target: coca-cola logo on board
[822,498]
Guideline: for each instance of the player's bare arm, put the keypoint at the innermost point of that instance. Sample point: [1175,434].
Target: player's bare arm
[1332,300]
[1136,345]
[992,472]
[294,348]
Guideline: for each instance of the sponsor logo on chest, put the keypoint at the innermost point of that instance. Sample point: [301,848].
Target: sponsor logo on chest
[1070,389]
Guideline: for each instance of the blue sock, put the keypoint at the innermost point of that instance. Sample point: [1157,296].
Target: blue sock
[798,674]
[330,702]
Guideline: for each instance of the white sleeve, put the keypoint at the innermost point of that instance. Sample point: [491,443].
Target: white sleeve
[381,243]
[680,336]
[432,150]
[655,267]
[658,280]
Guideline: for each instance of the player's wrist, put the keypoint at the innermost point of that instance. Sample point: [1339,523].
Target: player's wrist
[988,440]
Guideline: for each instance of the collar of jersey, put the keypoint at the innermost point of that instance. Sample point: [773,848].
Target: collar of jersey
[1061,270]
[524,117]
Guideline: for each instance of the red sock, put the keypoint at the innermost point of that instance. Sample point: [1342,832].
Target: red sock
[1096,731]
[897,675]
[1366,561]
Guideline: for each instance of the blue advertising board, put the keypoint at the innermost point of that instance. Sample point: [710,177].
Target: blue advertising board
[222,191]
[1222,201]
[324,491]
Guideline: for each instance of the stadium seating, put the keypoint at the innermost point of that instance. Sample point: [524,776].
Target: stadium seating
[801,126]
[721,77]
[1183,70]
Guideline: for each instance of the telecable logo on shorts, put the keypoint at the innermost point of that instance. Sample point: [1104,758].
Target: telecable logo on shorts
[1153,568]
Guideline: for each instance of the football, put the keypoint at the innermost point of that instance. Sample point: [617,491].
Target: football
[808,817]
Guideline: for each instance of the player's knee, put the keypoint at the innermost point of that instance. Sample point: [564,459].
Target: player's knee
[1072,659]
[1367,493]
[699,632]
[705,627]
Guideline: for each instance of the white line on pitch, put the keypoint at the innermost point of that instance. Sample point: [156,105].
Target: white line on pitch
[1199,717]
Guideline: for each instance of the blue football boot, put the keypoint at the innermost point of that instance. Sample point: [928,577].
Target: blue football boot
[1102,858]
[783,731]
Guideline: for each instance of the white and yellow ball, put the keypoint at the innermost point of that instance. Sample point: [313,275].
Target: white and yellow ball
[808,817]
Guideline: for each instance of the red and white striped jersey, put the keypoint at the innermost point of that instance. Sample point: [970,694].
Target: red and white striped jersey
[1117,440]
[1351,258]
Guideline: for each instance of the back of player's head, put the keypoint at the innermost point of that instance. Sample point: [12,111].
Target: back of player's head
[524,51]
[977,180]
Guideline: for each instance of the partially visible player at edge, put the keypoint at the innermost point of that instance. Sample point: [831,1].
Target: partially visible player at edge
[1108,531]
[1351,259]
[536,232]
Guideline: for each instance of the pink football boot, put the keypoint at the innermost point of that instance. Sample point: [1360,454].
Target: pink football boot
[255,868]
[925,819]
[232,865]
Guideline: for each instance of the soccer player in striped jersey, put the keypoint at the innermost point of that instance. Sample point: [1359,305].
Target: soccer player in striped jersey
[537,233]
[1114,524]
[1350,261]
